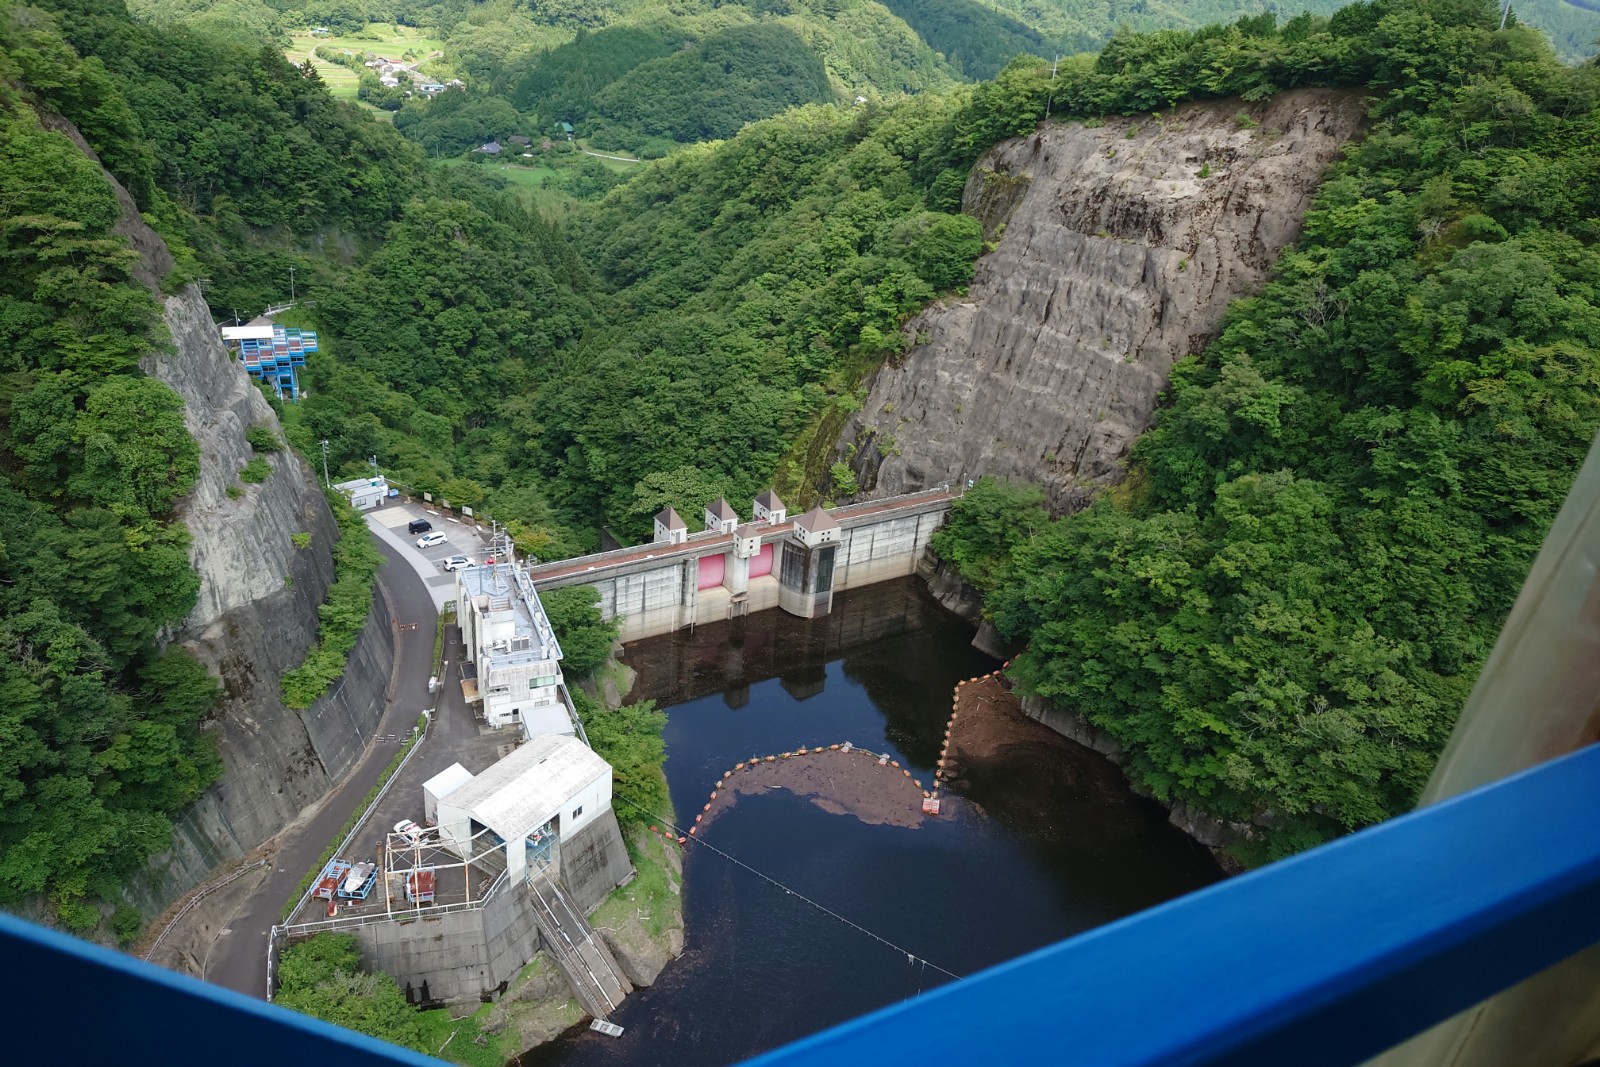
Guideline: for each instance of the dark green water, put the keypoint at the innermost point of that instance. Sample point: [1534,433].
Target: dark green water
[1043,842]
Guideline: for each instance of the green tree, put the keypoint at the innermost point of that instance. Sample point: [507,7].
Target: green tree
[986,526]
[629,738]
[585,638]
[137,456]
[688,489]
[322,976]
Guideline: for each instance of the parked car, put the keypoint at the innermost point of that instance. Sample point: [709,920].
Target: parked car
[458,563]
[429,540]
[409,829]
[419,526]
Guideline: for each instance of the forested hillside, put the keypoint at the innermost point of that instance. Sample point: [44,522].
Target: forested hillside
[99,731]
[1281,612]
[246,166]
[1278,616]
[652,79]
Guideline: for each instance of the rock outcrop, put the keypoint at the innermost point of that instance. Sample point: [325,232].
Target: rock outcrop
[257,612]
[1119,248]
[256,618]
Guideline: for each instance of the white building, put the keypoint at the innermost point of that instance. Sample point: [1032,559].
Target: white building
[769,508]
[720,516]
[513,660]
[365,493]
[544,792]
[816,527]
[670,527]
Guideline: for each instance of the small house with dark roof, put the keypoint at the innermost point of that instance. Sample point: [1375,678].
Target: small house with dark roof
[518,139]
[491,149]
[747,543]
[816,527]
[769,508]
[720,516]
[670,528]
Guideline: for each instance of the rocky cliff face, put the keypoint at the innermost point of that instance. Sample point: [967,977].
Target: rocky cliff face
[256,616]
[242,545]
[1119,248]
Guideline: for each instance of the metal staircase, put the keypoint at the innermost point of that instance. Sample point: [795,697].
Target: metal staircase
[588,967]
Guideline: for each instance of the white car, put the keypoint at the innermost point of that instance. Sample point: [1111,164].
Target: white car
[407,828]
[431,540]
[458,563]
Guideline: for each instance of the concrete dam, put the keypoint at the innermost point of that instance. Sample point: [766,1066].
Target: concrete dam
[729,568]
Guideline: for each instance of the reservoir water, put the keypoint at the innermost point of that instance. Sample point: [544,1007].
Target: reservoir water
[1041,842]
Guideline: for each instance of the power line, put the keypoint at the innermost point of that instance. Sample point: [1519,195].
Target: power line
[792,892]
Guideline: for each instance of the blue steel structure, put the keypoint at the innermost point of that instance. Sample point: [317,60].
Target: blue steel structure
[1322,959]
[273,360]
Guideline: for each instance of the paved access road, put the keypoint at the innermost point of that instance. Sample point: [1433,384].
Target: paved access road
[238,958]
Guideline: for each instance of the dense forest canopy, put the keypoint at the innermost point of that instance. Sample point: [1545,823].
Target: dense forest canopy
[99,730]
[1278,615]
[1283,610]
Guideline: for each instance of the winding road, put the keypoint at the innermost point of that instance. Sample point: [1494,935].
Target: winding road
[237,959]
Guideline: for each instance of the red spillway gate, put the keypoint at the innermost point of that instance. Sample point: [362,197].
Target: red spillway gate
[711,568]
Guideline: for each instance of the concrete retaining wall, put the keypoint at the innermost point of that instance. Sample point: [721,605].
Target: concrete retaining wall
[341,723]
[883,550]
[651,602]
[276,761]
[458,954]
[594,861]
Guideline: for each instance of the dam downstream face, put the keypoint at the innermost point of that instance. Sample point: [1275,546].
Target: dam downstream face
[1037,841]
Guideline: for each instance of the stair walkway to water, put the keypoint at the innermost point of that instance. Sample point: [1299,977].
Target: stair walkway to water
[589,968]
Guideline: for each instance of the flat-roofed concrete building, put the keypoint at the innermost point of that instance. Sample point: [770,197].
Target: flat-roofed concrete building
[515,668]
[364,493]
[548,789]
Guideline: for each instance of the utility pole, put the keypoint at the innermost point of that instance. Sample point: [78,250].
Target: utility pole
[1051,95]
[1504,14]
[325,479]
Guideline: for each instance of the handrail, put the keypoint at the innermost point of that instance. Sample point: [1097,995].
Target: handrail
[598,561]
[1321,960]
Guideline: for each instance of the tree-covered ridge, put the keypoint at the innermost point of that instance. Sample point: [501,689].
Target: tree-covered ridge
[99,733]
[977,39]
[652,78]
[707,92]
[1282,612]
[233,133]
[695,322]
[743,290]
[1086,25]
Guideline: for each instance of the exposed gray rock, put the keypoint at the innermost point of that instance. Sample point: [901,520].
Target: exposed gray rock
[242,548]
[1116,258]
[257,611]
[950,591]
[641,959]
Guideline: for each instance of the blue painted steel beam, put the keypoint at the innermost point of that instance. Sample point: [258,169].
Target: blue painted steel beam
[1323,959]
[70,1002]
